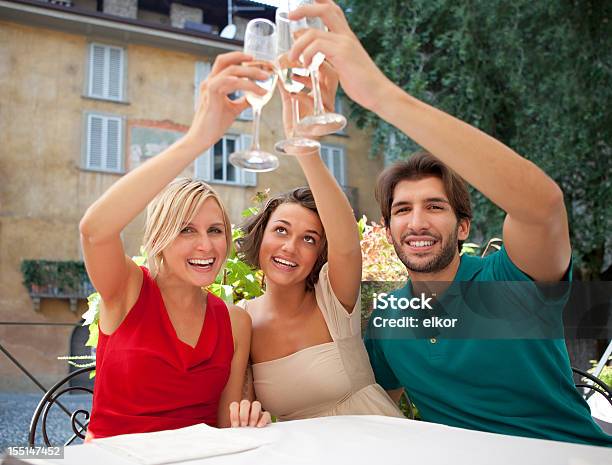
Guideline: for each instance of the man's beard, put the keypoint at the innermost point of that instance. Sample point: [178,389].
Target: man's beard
[434,264]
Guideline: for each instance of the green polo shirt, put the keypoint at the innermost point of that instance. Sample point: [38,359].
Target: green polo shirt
[520,387]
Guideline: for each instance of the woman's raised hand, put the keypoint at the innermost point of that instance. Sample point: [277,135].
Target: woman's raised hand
[361,79]
[215,111]
[248,413]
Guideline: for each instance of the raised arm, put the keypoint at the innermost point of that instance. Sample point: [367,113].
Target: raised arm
[343,247]
[536,232]
[112,273]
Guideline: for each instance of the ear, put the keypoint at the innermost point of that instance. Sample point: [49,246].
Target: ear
[463,229]
[388,234]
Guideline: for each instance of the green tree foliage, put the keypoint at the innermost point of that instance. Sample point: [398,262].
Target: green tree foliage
[536,75]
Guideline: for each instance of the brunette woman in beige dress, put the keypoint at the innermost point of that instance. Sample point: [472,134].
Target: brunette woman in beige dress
[308,358]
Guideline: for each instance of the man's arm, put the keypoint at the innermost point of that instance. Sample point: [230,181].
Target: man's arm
[536,232]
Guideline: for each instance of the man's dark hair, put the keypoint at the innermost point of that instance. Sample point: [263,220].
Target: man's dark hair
[423,165]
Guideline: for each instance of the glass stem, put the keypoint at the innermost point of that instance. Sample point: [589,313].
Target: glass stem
[256,119]
[318,101]
[295,115]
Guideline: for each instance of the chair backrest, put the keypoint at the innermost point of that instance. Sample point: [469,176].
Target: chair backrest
[79,426]
[594,386]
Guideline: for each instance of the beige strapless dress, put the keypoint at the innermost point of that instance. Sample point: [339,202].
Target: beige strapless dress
[334,378]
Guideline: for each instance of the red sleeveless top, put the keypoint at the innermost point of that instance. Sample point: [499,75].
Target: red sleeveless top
[147,379]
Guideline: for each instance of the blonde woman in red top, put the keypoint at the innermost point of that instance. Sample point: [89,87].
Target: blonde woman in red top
[170,355]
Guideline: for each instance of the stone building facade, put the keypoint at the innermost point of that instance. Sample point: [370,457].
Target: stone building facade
[85,96]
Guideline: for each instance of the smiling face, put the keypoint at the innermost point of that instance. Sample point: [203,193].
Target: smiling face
[196,255]
[291,244]
[423,228]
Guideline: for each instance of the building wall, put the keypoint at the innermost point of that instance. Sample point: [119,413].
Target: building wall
[44,191]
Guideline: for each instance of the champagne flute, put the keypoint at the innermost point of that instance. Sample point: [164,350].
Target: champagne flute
[319,123]
[287,74]
[259,42]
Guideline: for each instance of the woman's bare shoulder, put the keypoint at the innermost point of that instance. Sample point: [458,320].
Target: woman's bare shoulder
[239,316]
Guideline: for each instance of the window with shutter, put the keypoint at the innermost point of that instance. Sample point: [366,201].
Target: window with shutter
[249,178]
[338,103]
[115,71]
[202,166]
[214,166]
[333,157]
[113,144]
[96,71]
[94,142]
[103,147]
[106,72]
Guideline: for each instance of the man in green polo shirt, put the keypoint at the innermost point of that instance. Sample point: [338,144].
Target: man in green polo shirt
[516,385]
[510,386]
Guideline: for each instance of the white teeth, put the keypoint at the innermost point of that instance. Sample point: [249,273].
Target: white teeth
[201,262]
[285,262]
[421,243]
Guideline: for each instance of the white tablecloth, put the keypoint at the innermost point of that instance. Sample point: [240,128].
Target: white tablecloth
[371,440]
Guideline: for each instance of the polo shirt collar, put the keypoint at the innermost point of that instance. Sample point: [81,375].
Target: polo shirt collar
[469,266]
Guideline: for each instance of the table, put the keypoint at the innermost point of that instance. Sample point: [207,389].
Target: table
[372,440]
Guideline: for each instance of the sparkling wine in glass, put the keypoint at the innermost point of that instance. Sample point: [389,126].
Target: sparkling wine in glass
[260,43]
[319,123]
[291,75]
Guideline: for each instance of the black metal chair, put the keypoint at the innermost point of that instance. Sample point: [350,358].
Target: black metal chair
[79,427]
[596,385]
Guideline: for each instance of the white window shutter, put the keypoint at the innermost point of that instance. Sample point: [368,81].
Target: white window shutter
[338,104]
[97,54]
[202,70]
[325,156]
[95,142]
[115,73]
[202,166]
[113,144]
[248,178]
[106,72]
[337,163]
[104,143]
[333,157]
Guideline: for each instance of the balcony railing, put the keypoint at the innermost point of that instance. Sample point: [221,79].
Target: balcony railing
[56,280]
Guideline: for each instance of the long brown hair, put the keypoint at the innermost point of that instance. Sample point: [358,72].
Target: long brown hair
[248,246]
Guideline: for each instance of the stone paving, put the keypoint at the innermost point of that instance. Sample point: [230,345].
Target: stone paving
[16,411]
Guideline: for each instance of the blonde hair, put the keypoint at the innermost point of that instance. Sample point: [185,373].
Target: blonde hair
[171,210]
